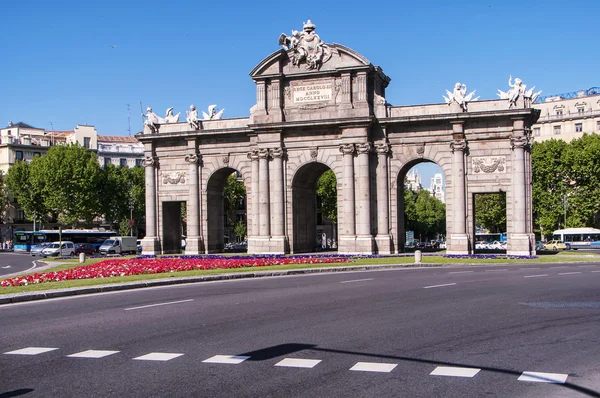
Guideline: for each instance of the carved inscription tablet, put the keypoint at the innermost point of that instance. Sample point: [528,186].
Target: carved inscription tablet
[316,92]
[491,165]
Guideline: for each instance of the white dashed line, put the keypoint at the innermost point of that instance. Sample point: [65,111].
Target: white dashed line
[529,268]
[159,304]
[569,273]
[298,363]
[31,351]
[535,276]
[446,284]
[540,377]
[228,359]
[374,367]
[562,266]
[357,280]
[454,371]
[595,271]
[92,354]
[495,270]
[158,356]
[459,272]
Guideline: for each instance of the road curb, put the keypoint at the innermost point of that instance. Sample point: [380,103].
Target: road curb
[76,291]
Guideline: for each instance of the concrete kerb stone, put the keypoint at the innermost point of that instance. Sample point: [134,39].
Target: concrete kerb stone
[76,291]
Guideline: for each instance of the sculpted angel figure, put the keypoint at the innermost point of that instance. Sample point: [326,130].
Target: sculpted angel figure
[306,47]
[152,120]
[192,118]
[212,113]
[517,90]
[460,96]
[170,118]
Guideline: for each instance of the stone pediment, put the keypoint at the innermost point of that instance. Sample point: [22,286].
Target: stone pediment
[280,63]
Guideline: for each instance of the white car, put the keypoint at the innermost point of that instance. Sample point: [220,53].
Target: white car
[54,249]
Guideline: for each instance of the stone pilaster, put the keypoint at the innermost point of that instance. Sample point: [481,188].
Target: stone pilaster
[194,207]
[364,238]
[347,238]
[459,240]
[518,238]
[150,243]
[278,240]
[264,203]
[383,236]
[252,209]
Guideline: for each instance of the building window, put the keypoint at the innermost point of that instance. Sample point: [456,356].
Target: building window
[107,161]
[556,129]
[138,162]
[598,125]
[559,112]
[123,162]
[536,131]
[580,109]
[19,155]
[578,127]
[86,142]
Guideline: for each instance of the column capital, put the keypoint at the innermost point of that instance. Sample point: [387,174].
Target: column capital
[382,148]
[150,161]
[458,145]
[364,147]
[263,153]
[193,158]
[519,142]
[347,149]
[277,153]
[253,155]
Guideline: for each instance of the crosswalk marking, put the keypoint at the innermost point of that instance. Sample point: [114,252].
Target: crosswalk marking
[454,371]
[92,354]
[374,367]
[229,359]
[158,356]
[31,351]
[541,377]
[298,363]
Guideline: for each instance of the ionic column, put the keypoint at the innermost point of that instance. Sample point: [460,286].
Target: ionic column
[364,193]
[263,192]
[150,163]
[254,188]
[382,190]
[519,195]
[194,208]
[459,202]
[349,224]
[278,199]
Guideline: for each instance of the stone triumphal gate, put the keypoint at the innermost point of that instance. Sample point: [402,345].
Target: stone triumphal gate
[322,106]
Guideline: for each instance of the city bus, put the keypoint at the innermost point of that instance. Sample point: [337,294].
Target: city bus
[491,237]
[579,238]
[24,240]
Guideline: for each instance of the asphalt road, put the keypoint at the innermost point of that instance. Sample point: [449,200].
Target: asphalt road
[504,331]
[12,263]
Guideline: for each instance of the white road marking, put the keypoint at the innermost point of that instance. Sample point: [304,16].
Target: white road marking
[357,280]
[298,363]
[31,351]
[540,377]
[7,267]
[446,284]
[587,265]
[158,356]
[230,359]
[569,273]
[92,354]
[454,371]
[374,367]
[157,305]
[595,271]
[530,268]
[535,276]
[495,270]
[459,272]
[562,266]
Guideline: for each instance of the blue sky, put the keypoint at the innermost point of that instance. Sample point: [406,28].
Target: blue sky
[77,62]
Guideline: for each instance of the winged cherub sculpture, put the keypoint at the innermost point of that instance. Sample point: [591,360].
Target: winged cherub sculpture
[212,113]
[460,96]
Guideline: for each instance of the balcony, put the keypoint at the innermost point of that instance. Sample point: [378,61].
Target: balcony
[569,116]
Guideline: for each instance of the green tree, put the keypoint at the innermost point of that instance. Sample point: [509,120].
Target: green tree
[424,214]
[234,194]
[327,195]
[4,200]
[240,230]
[71,179]
[123,190]
[490,211]
[27,193]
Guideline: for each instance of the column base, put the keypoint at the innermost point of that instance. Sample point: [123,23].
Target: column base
[347,244]
[383,244]
[267,245]
[150,246]
[365,244]
[519,245]
[194,245]
[458,244]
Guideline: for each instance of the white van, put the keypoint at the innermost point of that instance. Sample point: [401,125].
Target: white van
[64,248]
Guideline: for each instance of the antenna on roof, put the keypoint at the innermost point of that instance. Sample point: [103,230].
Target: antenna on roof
[129,120]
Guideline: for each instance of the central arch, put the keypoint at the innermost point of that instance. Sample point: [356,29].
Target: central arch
[304,207]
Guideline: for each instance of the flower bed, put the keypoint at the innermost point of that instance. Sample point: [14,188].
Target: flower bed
[152,265]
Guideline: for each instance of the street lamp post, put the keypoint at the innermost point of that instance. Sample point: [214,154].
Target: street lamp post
[130,217]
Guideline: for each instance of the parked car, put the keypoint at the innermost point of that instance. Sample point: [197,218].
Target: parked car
[37,249]
[59,249]
[556,245]
[86,248]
